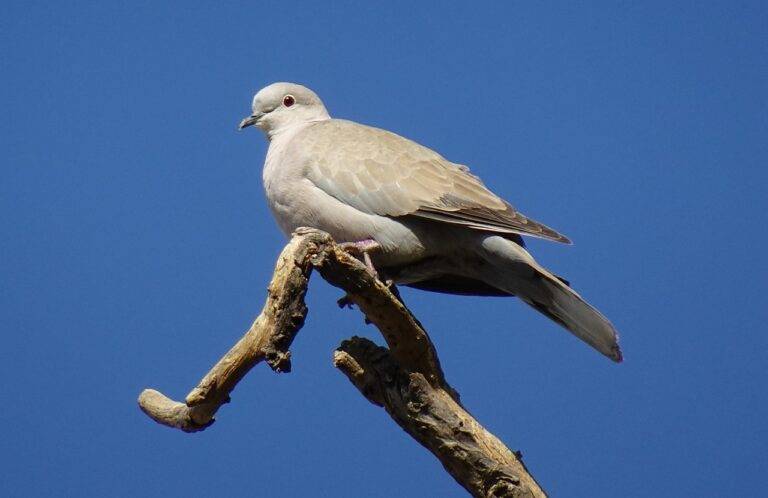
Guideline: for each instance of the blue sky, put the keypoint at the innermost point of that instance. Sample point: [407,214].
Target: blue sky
[136,242]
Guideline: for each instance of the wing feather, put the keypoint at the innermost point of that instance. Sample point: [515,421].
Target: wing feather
[382,173]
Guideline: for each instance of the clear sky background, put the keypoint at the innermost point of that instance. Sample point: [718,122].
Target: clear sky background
[136,245]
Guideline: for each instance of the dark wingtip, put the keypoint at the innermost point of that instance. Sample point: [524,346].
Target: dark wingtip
[551,236]
[555,236]
[616,354]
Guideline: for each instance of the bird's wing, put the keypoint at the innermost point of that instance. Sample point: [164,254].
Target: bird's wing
[382,173]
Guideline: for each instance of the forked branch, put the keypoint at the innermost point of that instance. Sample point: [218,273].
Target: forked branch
[406,378]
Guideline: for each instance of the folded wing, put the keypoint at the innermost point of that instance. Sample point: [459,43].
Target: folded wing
[382,173]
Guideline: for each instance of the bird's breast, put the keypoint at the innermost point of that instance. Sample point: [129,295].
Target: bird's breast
[295,201]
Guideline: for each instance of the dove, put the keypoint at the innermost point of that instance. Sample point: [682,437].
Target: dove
[415,217]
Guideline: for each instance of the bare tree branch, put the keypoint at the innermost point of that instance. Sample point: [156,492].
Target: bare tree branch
[472,455]
[268,339]
[405,379]
[403,333]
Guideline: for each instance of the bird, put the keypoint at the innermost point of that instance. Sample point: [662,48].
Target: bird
[415,217]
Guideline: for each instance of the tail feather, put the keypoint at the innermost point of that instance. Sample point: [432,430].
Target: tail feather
[565,307]
[514,271]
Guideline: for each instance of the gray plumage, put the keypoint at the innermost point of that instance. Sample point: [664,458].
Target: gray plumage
[438,226]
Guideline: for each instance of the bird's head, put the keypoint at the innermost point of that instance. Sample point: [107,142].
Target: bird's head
[282,105]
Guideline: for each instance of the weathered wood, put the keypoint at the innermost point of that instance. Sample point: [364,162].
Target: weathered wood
[405,379]
[268,340]
[403,333]
[478,461]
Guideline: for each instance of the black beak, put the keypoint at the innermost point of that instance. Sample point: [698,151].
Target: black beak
[249,121]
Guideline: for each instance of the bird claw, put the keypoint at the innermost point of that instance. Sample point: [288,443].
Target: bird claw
[369,265]
[363,248]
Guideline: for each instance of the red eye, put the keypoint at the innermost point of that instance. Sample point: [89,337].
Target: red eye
[288,100]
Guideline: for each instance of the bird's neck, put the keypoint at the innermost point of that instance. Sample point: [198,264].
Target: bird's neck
[298,122]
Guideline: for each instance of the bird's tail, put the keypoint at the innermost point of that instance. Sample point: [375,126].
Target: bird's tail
[551,295]
[559,302]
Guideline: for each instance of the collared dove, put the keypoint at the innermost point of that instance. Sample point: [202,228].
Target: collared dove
[418,218]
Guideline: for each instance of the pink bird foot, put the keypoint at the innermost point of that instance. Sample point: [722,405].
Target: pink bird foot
[363,248]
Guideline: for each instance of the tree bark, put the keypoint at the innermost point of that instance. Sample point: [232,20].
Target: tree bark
[405,378]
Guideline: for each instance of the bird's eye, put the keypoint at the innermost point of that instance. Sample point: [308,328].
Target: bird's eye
[288,100]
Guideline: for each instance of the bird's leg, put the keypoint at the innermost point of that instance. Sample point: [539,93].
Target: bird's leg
[359,248]
[363,248]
